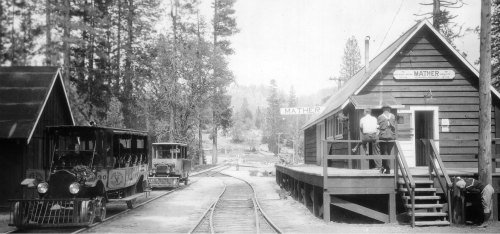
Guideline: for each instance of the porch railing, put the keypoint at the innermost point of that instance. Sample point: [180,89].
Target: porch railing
[407,177]
[400,165]
[438,171]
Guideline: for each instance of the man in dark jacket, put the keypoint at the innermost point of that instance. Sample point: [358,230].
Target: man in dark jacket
[387,135]
[471,185]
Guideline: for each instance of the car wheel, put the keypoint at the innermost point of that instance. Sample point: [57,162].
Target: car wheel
[100,209]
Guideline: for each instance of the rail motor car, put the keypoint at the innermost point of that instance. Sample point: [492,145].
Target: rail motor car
[89,165]
[170,165]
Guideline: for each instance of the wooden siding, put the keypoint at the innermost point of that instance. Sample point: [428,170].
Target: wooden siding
[310,145]
[56,112]
[18,156]
[457,99]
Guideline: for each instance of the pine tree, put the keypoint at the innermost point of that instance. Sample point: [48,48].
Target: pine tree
[351,59]
[224,26]
[18,32]
[292,97]
[114,115]
[442,18]
[244,112]
[274,122]
[259,118]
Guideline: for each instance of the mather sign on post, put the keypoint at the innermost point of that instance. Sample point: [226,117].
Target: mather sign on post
[424,74]
[301,110]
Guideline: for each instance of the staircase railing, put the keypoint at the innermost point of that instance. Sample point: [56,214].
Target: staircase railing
[407,177]
[436,168]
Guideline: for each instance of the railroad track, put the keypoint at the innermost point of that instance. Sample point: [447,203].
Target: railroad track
[236,210]
[215,171]
[206,173]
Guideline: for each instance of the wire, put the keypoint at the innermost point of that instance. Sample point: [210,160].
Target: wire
[390,26]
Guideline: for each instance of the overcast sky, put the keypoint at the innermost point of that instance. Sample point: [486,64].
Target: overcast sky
[300,42]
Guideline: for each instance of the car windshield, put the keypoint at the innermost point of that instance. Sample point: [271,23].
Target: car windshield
[71,148]
[167,152]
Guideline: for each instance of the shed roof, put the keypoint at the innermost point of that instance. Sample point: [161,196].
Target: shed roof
[24,91]
[94,128]
[356,83]
[169,143]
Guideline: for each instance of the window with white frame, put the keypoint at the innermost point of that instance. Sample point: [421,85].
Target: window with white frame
[330,127]
[339,121]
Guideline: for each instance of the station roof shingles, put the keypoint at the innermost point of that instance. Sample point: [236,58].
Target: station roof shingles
[23,94]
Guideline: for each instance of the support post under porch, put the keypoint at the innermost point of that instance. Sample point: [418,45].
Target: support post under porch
[326,205]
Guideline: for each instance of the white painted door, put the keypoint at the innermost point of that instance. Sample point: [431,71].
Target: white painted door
[406,135]
[406,130]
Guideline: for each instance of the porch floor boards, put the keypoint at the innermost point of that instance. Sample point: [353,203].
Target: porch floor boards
[344,172]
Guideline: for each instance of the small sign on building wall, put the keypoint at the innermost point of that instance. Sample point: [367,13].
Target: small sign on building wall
[445,125]
[301,110]
[424,74]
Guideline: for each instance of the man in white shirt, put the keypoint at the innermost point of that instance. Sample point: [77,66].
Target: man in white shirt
[368,127]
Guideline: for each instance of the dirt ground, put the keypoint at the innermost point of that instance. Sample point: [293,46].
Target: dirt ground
[177,212]
[293,217]
[4,220]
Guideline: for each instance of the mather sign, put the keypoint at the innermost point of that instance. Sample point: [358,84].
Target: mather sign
[301,110]
[424,74]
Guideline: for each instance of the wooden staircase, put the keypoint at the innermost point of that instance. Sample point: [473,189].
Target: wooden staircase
[426,209]
[422,203]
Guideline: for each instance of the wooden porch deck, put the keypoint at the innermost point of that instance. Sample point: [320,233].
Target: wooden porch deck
[314,170]
[307,184]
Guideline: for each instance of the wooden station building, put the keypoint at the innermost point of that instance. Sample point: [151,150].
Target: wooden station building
[433,92]
[31,98]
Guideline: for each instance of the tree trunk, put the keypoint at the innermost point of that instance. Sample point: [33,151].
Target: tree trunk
[48,35]
[173,15]
[214,145]
[484,158]
[127,90]
[200,80]
[90,50]
[66,35]
[214,112]
[118,48]
[436,12]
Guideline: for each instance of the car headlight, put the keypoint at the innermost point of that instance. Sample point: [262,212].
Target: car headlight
[74,188]
[42,187]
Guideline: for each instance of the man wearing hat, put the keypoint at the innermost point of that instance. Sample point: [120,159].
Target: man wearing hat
[369,136]
[387,135]
[471,185]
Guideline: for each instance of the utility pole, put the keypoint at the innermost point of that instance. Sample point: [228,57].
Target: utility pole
[484,157]
[339,81]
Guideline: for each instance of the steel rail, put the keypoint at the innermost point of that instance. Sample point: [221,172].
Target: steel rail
[211,220]
[257,209]
[144,203]
[210,208]
[264,215]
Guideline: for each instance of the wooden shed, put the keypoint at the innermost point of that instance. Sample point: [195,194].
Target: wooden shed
[433,92]
[31,98]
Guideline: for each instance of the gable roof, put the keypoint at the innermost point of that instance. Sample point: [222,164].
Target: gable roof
[356,83]
[24,92]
